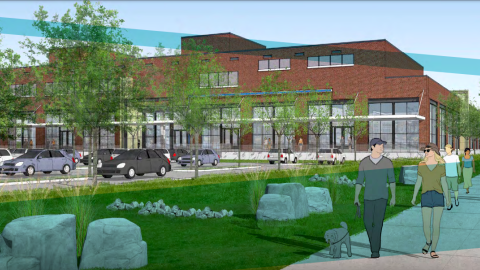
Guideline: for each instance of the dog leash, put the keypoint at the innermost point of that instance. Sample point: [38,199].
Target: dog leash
[359,212]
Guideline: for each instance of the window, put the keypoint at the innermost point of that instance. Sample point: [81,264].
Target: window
[48,89]
[274,64]
[211,136]
[152,154]
[45,154]
[57,154]
[24,90]
[143,155]
[233,58]
[299,54]
[433,122]
[330,60]
[267,56]
[336,51]
[220,79]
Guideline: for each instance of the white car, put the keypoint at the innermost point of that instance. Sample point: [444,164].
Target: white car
[5,155]
[331,156]
[285,156]
[164,152]
[18,152]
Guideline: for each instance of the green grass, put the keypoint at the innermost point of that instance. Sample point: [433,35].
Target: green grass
[210,168]
[238,242]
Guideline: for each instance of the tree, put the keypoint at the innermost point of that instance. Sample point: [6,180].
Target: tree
[93,66]
[12,102]
[473,130]
[281,112]
[456,113]
[191,89]
[355,115]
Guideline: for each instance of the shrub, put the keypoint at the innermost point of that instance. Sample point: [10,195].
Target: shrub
[258,184]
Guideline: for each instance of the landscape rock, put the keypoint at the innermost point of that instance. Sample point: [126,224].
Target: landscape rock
[275,207]
[319,200]
[297,192]
[217,215]
[113,243]
[112,207]
[186,213]
[210,214]
[135,204]
[129,207]
[170,214]
[207,209]
[179,213]
[141,205]
[224,212]
[161,211]
[192,211]
[230,213]
[46,242]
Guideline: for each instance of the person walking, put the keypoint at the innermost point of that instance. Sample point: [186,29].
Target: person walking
[452,168]
[300,144]
[269,144]
[265,143]
[31,143]
[468,169]
[53,144]
[432,178]
[374,170]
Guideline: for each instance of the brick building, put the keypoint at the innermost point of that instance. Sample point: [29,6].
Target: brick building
[404,105]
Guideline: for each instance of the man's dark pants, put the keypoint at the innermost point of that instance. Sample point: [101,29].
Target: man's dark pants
[373,215]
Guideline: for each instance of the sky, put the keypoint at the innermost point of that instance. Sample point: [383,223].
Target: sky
[444,28]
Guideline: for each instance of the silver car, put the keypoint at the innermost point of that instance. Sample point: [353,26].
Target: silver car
[44,161]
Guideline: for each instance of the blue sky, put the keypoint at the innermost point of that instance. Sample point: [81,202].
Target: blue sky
[444,28]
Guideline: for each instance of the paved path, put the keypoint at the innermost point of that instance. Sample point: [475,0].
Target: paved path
[403,240]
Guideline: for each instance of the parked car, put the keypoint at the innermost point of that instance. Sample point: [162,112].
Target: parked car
[136,162]
[18,152]
[5,155]
[44,161]
[331,156]
[165,152]
[118,151]
[102,156]
[205,156]
[176,153]
[76,155]
[285,156]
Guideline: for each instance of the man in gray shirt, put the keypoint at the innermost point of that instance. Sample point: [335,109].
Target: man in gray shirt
[374,171]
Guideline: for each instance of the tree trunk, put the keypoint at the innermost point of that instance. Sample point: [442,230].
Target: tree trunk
[95,156]
[196,156]
[90,155]
[191,154]
[354,149]
[239,147]
[317,145]
[279,150]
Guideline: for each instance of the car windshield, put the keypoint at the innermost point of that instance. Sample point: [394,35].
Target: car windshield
[119,151]
[30,154]
[273,151]
[4,153]
[325,151]
[19,151]
[129,155]
[69,151]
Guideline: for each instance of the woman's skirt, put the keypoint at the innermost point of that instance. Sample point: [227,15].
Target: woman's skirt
[467,177]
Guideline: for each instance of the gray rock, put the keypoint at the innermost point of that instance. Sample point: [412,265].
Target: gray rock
[155,205]
[230,213]
[141,205]
[275,207]
[207,209]
[129,207]
[161,211]
[117,202]
[192,211]
[179,213]
[319,200]
[217,215]
[297,192]
[162,205]
[135,204]
[160,202]
[113,243]
[170,214]
[323,179]
[210,214]
[167,209]
[224,212]
[19,263]
[186,213]
[112,207]
[49,240]
[175,207]
[202,216]
[198,210]
[122,206]
[144,211]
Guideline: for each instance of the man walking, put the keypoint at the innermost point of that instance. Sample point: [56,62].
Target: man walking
[374,171]
[452,167]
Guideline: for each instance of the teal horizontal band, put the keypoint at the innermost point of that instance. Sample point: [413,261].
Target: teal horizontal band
[149,38]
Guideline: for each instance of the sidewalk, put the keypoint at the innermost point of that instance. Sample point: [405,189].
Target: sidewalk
[403,240]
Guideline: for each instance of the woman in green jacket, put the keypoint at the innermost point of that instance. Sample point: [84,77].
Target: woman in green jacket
[468,169]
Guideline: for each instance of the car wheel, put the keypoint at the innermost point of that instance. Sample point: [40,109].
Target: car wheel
[77,161]
[215,162]
[320,162]
[130,174]
[66,169]
[183,165]
[49,172]
[285,161]
[272,162]
[85,163]
[107,176]
[295,160]
[10,174]
[30,171]
[140,174]
[162,171]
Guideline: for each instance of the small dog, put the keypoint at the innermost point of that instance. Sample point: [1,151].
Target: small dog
[338,237]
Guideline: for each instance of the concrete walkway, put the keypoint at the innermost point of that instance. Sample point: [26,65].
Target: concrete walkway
[403,240]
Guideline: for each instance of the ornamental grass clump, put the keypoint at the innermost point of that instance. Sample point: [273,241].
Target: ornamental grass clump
[258,184]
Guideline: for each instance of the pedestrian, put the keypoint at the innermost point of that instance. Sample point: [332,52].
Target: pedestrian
[138,143]
[453,170]
[53,144]
[265,143]
[375,170]
[31,143]
[269,144]
[349,142]
[432,178]
[300,144]
[468,168]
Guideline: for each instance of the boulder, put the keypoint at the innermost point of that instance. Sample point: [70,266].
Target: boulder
[408,175]
[297,192]
[161,211]
[207,209]
[135,204]
[49,240]
[224,212]
[117,202]
[160,202]
[179,213]
[122,206]
[192,211]
[275,207]
[19,263]
[129,207]
[230,213]
[112,207]
[167,209]
[210,214]
[319,200]
[186,213]
[141,205]
[217,215]
[202,216]
[175,208]
[113,243]
[170,214]
[144,211]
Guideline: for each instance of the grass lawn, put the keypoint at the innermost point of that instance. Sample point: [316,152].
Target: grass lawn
[211,168]
[238,242]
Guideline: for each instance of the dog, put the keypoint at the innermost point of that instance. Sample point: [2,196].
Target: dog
[336,238]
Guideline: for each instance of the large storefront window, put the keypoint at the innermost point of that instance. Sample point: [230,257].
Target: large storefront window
[211,137]
[157,136]
[106,139]
[229,130]
[262,133]
[25,137]
[52,133]
[433,122]
[399,134]
[320,111]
